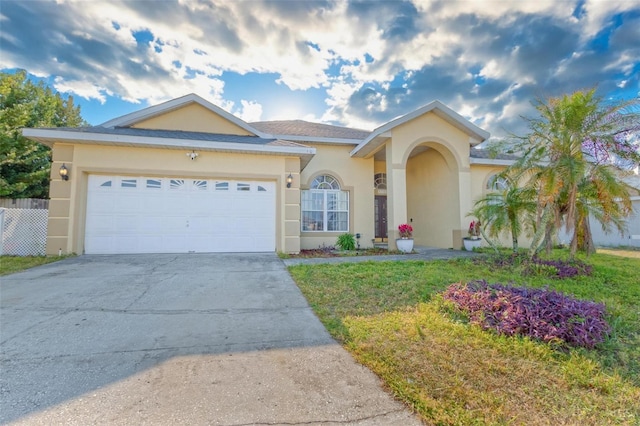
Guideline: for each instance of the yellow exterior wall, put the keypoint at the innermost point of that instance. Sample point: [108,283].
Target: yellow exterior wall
[480,175]
[67,232]
[410,183]
[192,118]
[432,199]
[60,201]
[356,176]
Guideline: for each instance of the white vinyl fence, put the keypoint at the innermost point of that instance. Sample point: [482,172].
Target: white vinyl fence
[23,232]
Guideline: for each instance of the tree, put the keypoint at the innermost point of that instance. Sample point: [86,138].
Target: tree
[509,207]
[575,153]
[24,164]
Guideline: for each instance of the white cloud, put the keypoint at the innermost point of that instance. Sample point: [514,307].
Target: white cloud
[299,42]
[84,89]
[250,111]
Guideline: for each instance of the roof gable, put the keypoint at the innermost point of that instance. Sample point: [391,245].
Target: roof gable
[189,113]
[435,107]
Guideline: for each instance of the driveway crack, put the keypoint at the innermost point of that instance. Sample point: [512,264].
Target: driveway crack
[147,288]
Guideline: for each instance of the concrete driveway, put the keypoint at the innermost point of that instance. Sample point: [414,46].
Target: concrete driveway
[223,339]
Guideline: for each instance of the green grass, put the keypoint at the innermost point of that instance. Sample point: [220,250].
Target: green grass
[13,264]
[391,317]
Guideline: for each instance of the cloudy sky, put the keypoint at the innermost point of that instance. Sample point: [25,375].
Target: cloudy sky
[354,63]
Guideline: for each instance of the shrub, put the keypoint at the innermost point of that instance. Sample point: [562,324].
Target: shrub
[558,269]
[346,242]
[541,314]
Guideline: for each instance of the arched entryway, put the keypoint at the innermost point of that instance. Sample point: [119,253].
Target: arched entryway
[433,193]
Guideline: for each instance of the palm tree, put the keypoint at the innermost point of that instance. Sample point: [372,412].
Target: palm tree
[572,153]
[509,208]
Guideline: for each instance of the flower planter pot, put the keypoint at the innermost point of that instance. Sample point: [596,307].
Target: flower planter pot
[470,244]
[405,245]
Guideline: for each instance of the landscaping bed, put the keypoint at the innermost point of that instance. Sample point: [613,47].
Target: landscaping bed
[393,318]
[325,252]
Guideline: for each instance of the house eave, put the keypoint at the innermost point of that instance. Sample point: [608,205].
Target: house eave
[490,162]
[313,139]
[49,137]
[371,146]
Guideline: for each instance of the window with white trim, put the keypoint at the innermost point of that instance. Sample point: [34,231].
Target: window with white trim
[325,207]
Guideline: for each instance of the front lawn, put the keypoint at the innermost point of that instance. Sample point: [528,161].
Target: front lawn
[13,264]
[392,318]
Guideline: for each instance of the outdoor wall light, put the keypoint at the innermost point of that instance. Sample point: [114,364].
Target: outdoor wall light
[64,172]
[193,155]
[289,180]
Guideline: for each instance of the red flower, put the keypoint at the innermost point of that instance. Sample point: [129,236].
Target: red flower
[406,231]
[474,228]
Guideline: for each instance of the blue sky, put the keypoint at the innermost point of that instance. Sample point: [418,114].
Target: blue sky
[353,63]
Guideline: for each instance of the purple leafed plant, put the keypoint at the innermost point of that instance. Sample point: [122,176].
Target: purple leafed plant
[550,268]
[561,268]
[541,314]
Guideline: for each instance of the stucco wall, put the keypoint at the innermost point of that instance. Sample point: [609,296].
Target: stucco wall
[432,199]
[407,193]
[66,230]
[356,176]
[192,118]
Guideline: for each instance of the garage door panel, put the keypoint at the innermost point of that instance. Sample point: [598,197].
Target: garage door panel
[201,224]
[154,202]
[126,224]
[100,223]
[173,215]
[149,243]
[100,245]
[150,224]
[127,205]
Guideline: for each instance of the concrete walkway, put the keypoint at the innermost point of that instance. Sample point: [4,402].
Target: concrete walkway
[421,253]
[215,339]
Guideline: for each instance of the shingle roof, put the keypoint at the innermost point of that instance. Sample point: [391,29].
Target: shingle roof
[306,128]
[489,155]
[173,139]
[173,134]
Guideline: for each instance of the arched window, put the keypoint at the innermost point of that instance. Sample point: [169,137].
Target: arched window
[497,183]
[325,207]
[380,181]
[325,182]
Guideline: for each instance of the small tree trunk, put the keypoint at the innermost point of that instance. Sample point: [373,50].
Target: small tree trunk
[548,239]
[573,248]
[514,239]
[542,228]
[488,240]
[589,246]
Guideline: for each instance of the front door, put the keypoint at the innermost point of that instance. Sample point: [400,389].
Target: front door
[381,216]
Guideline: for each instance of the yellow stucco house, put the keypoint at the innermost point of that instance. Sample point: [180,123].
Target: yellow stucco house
[186,176]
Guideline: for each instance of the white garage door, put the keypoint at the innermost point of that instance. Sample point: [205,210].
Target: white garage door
[178,215]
